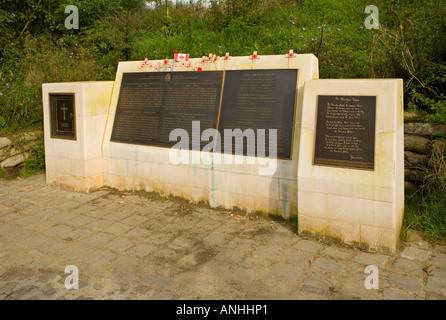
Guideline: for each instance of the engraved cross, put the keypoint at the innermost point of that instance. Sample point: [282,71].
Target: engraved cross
[64,109]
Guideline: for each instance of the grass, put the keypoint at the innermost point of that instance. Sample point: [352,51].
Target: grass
[425,209]
[36,162]
[426,215]
[318,27]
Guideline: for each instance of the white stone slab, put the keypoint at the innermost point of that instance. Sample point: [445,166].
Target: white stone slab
[220,184]
[356,205]
[77,164]
[4,142]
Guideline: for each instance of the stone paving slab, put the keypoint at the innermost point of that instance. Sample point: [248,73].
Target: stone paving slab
[127,246]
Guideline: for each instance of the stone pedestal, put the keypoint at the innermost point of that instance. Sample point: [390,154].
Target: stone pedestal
[76,162]
[357,206]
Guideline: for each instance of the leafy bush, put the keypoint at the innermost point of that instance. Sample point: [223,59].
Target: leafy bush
[426,209]
[19,105]
[43,61]
[427,215]
[436,178]
[36,161]
[436,108]
[411,46]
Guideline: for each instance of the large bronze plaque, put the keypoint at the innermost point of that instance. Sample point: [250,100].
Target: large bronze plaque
[152,104]
[345,132]
[63,116]
[260,99]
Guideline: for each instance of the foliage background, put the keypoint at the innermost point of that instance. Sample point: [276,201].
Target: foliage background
[35,46]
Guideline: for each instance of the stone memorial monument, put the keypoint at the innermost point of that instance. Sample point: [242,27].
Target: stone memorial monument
[260,133]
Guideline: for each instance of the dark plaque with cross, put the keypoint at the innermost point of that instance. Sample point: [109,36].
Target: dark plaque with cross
[63,117]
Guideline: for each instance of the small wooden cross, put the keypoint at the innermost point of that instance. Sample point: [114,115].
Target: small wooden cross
[290,56]
[254,57]
[227,57]
[215,59]
[143,66]
[165,64]
[209,61]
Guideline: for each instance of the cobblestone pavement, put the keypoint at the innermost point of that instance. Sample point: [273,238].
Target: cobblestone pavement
[131,247]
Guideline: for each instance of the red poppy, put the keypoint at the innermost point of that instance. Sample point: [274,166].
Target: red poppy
[175,51]
[165,61]
[199,69]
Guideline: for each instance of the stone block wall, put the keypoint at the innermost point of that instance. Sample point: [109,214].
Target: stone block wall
[14,150]
[420,138]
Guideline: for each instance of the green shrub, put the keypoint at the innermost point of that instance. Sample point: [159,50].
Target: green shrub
[436,108]
[36,161]
[426,209]
[426,214]
[20,105]
[44,60]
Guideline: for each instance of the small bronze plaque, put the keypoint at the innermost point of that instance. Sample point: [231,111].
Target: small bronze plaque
[345,132]
[153,104]
[260,101]
[63,116]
